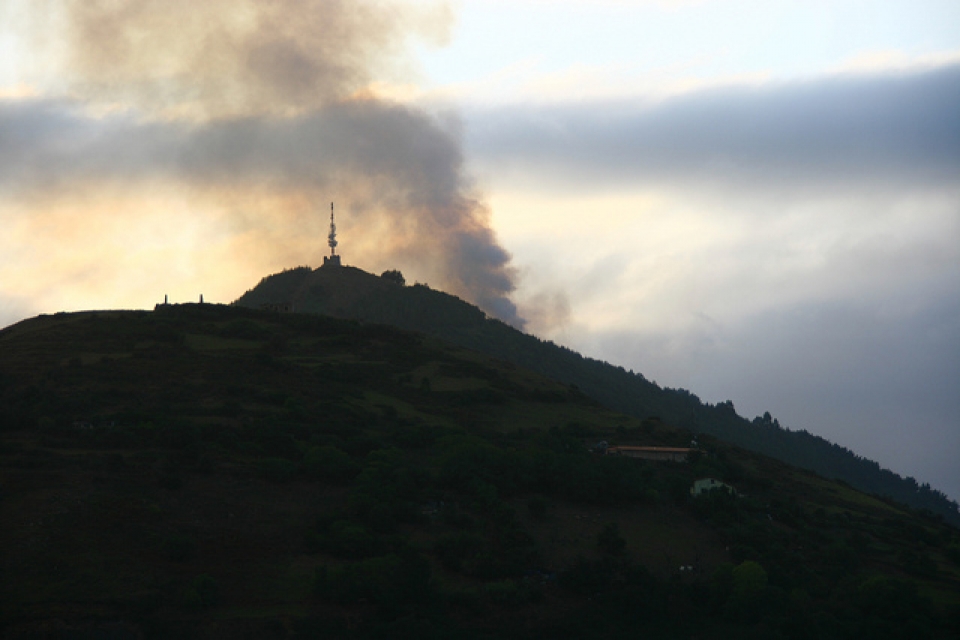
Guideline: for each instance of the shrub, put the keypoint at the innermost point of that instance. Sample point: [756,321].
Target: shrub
[749,578]
[610,541]
[389,581]
[537,507]
[170,481]
[588,578]
[350,540]
[953,552]
[277,469]
[453,549]
[747,602]
[203,592]
[329,463]
[180,548]
[511,593]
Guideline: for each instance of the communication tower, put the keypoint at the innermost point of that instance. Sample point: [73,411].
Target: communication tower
[333,259]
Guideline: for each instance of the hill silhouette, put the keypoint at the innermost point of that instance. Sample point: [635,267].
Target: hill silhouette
[215,471]
[349,292]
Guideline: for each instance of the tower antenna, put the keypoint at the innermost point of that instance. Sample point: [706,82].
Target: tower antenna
[332,237]
[333,259]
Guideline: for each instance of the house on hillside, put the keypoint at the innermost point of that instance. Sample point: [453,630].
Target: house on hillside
[704,485]
[668,454]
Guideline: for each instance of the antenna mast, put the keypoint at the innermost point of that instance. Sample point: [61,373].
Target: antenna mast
[333,259]
[332,237]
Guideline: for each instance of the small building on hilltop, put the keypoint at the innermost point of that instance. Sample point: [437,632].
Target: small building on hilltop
[668,454]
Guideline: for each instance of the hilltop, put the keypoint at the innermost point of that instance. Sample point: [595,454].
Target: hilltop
[348,292]
[216,471]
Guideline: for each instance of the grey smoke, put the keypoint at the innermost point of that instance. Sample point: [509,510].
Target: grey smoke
[227,96]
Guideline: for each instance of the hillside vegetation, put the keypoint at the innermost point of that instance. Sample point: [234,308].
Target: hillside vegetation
[352,293]
[214,471]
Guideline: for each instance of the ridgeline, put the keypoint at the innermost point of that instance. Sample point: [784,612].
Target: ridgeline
[348,292]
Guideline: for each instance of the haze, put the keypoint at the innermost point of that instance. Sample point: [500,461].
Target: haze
[757,201]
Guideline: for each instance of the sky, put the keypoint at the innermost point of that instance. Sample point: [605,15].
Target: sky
[754,200]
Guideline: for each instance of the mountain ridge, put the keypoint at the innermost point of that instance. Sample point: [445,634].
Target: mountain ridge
[349,292]
[206,470]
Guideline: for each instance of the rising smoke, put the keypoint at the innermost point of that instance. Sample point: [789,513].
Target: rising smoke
[263,112]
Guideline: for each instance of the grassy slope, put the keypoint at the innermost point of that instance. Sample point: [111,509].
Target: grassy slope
[352,293]
[147,456]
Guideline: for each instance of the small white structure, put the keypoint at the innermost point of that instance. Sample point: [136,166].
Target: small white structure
[704,485]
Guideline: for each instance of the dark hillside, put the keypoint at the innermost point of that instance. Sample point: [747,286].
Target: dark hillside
[352,293]
[206,471]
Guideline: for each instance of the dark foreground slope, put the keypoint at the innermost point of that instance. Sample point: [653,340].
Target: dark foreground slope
[352,293]
[208,471]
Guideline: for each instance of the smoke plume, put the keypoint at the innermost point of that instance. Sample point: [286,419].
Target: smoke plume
[253,116]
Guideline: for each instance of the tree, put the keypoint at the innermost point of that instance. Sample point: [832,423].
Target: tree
[749,579]
[394,275]
[749,583]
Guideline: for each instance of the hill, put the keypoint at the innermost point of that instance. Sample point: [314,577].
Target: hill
[214,471]
[351,293]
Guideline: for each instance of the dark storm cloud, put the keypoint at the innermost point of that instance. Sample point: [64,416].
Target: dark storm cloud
[868,128]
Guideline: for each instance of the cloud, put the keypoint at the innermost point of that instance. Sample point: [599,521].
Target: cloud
[880,129]
[880,375]
[876,375]
[250,116]
[876,378]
